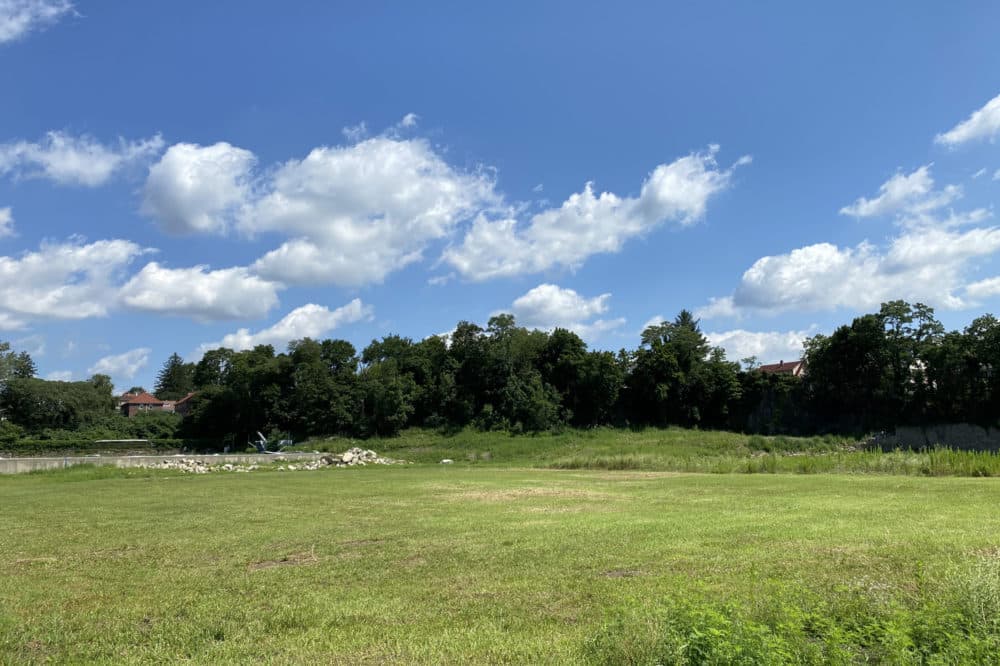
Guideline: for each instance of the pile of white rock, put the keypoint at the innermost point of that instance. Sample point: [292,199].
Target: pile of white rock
[349,458]
[195,466]
[356,456]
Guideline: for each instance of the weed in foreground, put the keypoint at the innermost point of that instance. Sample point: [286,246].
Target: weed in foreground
[952,619]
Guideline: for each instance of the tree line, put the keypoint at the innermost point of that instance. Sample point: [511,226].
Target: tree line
[896,366]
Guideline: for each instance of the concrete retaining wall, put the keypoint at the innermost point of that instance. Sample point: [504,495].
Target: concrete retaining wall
[19,465]
[955,435]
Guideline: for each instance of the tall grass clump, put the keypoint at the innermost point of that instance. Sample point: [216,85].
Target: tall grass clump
[934,462]
[671,450]
[951,619]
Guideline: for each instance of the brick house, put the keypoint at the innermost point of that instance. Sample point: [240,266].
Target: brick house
[183,406]
[131,404]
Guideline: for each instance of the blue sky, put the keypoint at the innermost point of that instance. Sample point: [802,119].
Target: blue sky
[175,176]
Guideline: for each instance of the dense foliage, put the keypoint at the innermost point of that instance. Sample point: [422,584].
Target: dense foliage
[897,366]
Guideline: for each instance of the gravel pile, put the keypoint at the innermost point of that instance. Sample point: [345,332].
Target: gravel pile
[357,456]
[195,466]
[350,458]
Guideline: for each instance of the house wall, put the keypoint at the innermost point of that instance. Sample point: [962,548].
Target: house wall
[132,410]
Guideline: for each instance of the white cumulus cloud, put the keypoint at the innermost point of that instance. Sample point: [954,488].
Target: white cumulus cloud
[60,376]
[200,293]
[655,320]
[70,280]
[122,366]
[929,259]
[767,346]
[6,222]
[308,321]
[984,123]
[717,308]
[549,306]
[984,288]
[357,213]
[198,189]
[349,215]
[21,17]
[74,160]
[9,322]
[588,223]
[928,265]
[910,196]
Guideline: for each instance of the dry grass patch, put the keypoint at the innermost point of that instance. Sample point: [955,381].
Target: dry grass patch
[631,476]
[413,562]
[510,494]
[291,560]
[360,542]
[558,509]
[35,560]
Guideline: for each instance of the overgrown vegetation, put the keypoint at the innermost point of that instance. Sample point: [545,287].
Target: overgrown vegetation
[948,617]
[671,450]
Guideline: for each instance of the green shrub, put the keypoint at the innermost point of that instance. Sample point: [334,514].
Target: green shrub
[10,433]
[43,447]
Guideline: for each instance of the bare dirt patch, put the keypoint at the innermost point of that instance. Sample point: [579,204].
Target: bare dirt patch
[36,651]
[291,560]
[632,476]
[509,494]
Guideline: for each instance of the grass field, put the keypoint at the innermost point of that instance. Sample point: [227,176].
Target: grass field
[483,563]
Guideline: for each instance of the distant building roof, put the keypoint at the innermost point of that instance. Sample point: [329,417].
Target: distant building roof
[185,398]
[141,399]
[794,368]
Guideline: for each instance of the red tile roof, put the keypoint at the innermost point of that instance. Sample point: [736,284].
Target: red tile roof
[141,399]
[185,398]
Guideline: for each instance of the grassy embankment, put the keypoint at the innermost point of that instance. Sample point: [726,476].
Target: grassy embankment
[487,563]
[672,450]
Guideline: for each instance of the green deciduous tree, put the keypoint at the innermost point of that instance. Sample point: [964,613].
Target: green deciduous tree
[387,397]
[324,387]
[37,404]
[15,365]
[678,378]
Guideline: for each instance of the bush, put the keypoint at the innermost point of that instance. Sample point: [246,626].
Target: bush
[10,433]
[42,447]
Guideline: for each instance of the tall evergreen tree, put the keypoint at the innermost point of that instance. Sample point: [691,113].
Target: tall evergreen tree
[175,379]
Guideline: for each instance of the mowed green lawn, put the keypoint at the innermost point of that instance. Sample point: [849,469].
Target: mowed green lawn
[449,564]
